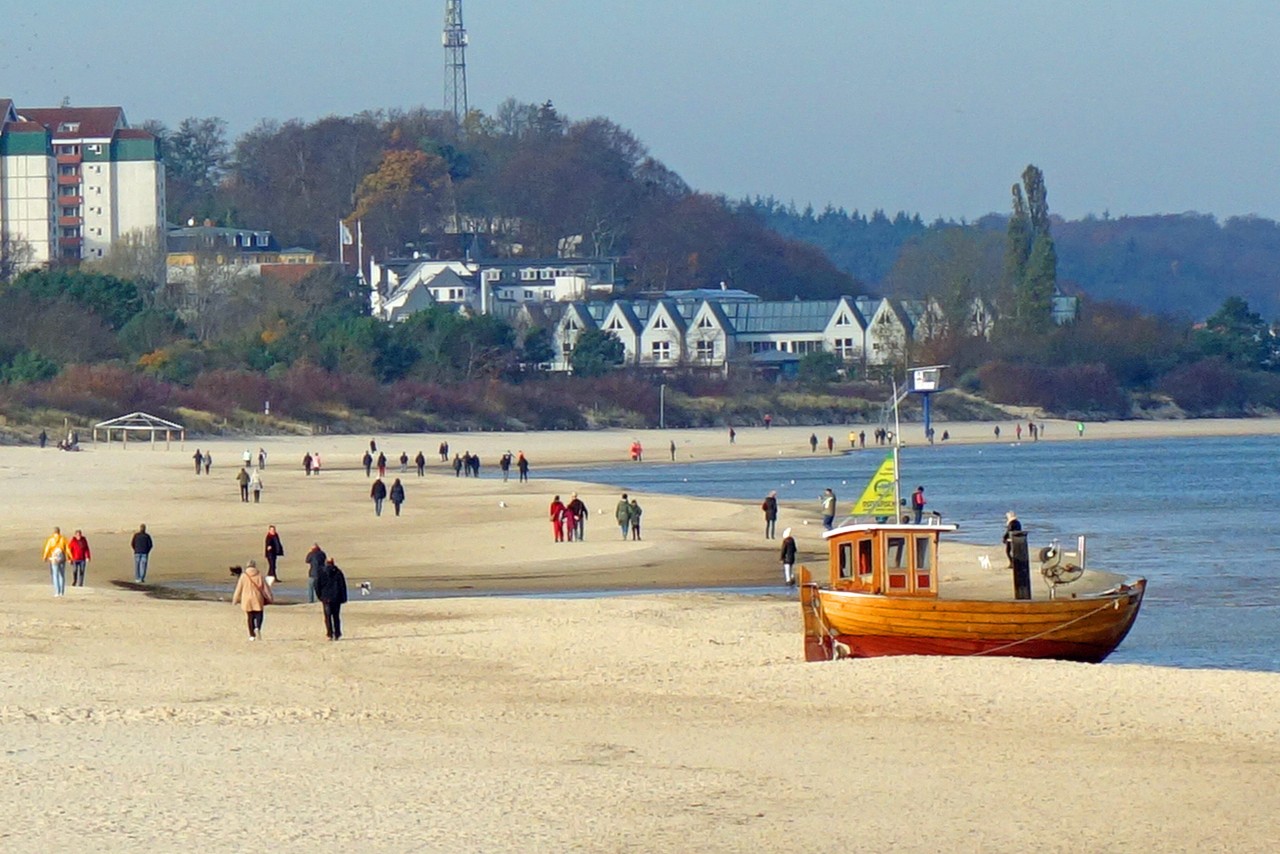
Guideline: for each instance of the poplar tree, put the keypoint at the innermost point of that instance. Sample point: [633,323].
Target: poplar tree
[1031,261]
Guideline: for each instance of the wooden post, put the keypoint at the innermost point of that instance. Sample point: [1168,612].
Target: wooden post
[1021,565]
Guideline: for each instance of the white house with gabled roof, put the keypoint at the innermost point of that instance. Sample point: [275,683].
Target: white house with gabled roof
[662,341]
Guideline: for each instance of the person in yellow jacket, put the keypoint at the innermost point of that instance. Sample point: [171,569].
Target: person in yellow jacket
[55,554]
[252,594]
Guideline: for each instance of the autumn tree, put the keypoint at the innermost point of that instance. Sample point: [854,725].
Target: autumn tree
[405,196]
[195,158]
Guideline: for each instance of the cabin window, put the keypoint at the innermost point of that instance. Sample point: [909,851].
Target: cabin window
[846,560]
[924,563]
[895,561]
[864,559]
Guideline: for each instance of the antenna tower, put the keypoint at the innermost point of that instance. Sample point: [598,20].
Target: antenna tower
[455,61]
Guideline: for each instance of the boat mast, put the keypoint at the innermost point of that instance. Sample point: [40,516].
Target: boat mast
[897,443]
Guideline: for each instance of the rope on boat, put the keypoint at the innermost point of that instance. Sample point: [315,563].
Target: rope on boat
[1114,603]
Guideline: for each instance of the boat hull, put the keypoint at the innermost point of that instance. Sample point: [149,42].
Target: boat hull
[859,625]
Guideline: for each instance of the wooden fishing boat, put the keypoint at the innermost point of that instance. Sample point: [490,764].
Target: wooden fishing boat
[884,597]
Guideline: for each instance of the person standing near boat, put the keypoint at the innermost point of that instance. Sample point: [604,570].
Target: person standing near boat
[788,557]
[917,504]
[770,508]
[1011,524]
[828,509]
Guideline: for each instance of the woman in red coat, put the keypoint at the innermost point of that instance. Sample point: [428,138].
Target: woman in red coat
[557,519]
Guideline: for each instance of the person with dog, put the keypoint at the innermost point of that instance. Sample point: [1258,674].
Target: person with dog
[331,590]
[252,594]
[272,550]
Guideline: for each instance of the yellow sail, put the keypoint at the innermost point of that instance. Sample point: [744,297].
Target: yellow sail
[878,498]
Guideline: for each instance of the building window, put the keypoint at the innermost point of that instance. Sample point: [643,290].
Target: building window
[763,346]
[842,320]
[661,351]
[263,240]
[547,274]
[493,275]
[706,351]
[615,325]
[660,323]
[528,275]
[528,294]
[845,350]
[806,347]
[706,323]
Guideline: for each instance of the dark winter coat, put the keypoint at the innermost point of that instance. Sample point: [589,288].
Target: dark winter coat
[331,585]
[315,559]
[273,548]
[141,543]
[789,550]
[397,493]
[379,490]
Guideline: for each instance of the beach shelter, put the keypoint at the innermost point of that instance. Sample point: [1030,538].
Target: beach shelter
[139,424]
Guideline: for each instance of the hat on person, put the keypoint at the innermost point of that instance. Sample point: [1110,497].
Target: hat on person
[1010,516]
[786,532]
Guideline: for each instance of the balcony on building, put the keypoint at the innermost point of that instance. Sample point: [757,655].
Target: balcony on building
[69,158]
[70,242]
[70,221]
[69,180]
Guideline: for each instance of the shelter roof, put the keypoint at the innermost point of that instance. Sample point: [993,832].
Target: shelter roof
[139,421]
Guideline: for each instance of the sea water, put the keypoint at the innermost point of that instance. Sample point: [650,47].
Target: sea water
[1196,517]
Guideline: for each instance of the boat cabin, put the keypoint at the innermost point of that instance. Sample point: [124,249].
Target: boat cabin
[893,560]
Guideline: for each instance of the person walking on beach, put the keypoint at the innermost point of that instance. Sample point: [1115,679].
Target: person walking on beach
[623,514]
[208,462]
[243,480]
[444,452]
[421,462]
[1011,524]
[831,444]
[255,486]
[635,519]
[522,466]
[141,544]
[733,435]
[673,450]
[252,594]
[273,550]
[397,495]
[373,446]
[55,554]
[788,557]
[199,458]
[862,439]
[306,463]
[404,462]
[315,565]
[379,494]
[997,431]
[78,552]
[382,465]
[504,463]
[770,508]
[367,460]
[579,511]
[828,509]
[556,512]
[917,504]
[262,458]
[1080,429]
[315,463]
[457,465]
[331,590]
[246,459]
[813,443]
[768,419]
[44,438]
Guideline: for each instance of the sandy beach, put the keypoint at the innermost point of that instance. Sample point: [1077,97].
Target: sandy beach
[674,721]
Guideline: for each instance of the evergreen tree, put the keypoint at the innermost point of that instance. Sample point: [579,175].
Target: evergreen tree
[1031,261]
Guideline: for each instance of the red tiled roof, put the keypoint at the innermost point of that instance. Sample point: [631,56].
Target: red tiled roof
[133,133]
[95,122]
[24,126]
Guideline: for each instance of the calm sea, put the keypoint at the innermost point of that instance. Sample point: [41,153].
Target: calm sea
[1197,517]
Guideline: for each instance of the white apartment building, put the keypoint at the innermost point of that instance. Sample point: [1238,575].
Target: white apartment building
[74,180]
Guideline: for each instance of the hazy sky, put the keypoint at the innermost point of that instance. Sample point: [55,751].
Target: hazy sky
[1128,106]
